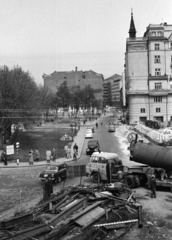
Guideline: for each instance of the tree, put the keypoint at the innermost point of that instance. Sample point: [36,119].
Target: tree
[46,100]
[63,96]
[19,99]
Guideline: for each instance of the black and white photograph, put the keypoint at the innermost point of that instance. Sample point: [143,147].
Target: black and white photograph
[85,119]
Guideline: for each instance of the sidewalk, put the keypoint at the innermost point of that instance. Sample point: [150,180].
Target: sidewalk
[78,139]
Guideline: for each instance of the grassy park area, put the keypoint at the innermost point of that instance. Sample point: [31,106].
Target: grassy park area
[42,139]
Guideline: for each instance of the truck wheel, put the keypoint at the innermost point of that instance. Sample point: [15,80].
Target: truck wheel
[130,181]
[96,177]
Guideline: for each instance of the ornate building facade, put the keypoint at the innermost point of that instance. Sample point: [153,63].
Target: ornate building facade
[148,65]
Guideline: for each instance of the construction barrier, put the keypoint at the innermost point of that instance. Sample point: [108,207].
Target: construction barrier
[76,170]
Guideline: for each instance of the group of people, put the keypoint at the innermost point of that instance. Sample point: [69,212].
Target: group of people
[35,155]
[67,151]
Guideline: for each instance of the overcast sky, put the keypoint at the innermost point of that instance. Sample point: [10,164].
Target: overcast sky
[43,36]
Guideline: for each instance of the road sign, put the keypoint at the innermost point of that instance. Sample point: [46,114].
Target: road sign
[10,149]
[17,144]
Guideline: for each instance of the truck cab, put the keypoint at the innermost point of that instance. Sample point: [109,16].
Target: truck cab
[97,166]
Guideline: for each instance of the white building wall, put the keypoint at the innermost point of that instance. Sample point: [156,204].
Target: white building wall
[152,84]
[137,102]
[138,83]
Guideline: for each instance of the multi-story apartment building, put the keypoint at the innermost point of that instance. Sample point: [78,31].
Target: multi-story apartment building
[76,78]
[112,90]
[148,65]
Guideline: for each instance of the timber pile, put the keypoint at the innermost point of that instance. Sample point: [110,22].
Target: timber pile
[78,212]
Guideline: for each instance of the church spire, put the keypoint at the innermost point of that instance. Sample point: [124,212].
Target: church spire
[132,30]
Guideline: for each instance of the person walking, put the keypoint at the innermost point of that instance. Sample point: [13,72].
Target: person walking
[31,157]
[75,152]
[54,154]
[153,186]
[65,150]
[4,158]
[75,147]
[69,152]
[37,155]
[48,156]
[97,125]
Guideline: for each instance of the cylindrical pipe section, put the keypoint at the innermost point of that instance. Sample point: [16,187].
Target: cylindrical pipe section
[152,155]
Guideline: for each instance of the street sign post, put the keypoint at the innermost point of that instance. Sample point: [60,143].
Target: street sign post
[17,148]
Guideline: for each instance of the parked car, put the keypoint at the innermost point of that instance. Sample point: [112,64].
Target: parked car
[96,168]
[111,128]
[89,133]
[92,146]
[55,172]
[91,127]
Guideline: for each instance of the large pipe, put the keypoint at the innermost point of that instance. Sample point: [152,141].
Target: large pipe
[152,155]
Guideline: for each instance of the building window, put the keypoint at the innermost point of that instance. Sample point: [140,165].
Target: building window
[171,45]
[158,85]
[153,34]
[83,75]
[142,110]
[159,33]
[158,110]
[157,59]
[158,99]
[156,46]
[157,71]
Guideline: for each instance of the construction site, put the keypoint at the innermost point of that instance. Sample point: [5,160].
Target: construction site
[113,209]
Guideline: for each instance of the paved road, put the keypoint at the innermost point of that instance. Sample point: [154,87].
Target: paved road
[12,180]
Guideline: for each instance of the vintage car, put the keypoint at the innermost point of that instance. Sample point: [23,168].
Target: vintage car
[91,127]
[92,146]
[111,128]
[89,133]
[55,172]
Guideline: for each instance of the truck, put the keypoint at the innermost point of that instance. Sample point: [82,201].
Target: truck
[153,159]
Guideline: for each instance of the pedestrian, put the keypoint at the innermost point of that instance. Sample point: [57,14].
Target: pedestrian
[120,175]
[4,158]
[65,150]
[54,154]
[69,152]
[153,186]
[75,155]
[31,157]
[97,125]
[48,156]
[75,148]
[37,155]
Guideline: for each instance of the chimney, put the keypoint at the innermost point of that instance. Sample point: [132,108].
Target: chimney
[76,69]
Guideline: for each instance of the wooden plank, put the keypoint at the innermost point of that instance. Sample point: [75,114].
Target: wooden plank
[66,212]
[30,232]
[86,210]
[90,217]
[6,224]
